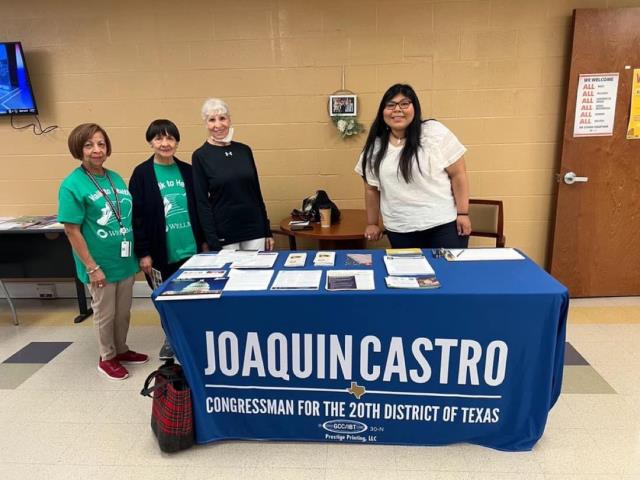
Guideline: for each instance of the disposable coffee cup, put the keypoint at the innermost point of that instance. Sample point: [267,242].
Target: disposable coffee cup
[325,217]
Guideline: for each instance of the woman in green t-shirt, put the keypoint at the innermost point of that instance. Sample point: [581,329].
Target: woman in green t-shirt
[165,224]
[95,207]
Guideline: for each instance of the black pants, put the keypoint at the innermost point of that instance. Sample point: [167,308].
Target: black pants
[166,271]
[442,236]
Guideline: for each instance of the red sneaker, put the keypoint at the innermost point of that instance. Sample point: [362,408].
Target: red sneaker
[132,357]
[112,369]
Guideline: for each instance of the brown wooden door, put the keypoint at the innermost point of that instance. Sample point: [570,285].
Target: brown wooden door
[596,238]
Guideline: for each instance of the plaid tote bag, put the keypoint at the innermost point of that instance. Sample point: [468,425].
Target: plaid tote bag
[172,413]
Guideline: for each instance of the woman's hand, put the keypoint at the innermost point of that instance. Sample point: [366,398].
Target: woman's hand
[372,232]
[97,279]
[145,264]
[464,225]
[269,243]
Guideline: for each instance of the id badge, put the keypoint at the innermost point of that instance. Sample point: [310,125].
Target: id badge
[125,249]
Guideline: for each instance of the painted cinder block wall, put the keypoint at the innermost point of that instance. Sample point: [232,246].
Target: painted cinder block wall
[494,71]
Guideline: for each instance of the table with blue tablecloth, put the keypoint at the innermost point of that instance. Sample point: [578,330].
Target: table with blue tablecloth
[478,360]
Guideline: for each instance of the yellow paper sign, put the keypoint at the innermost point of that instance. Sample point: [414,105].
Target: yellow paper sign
[633,131]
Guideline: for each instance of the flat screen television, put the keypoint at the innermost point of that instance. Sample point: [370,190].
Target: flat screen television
[16,95]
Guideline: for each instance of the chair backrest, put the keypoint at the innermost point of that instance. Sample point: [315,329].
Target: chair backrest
[487,219]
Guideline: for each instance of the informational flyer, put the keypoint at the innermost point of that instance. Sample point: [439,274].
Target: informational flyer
[633,130]
[596,105]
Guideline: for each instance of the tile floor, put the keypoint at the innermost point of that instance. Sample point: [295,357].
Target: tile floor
[59,419]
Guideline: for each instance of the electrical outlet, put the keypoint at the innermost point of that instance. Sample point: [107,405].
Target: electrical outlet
[46,290]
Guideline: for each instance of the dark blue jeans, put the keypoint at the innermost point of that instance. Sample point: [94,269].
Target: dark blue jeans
[442,236]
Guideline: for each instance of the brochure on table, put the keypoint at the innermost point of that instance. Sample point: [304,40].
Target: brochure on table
[428,281]
[350,280]
[193,289]
[409,265]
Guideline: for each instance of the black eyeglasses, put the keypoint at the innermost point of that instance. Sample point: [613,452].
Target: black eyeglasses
[403,104]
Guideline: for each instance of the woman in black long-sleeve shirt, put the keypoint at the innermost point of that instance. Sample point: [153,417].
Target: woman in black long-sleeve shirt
[229,201]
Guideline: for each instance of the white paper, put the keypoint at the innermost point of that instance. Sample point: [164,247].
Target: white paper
[296,260]
[364,278]
[297,280]
[194,274]
[473,254]
[243,280]
[205,261]
[408,266]
[259,260]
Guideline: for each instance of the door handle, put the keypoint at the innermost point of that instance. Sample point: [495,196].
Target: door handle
[570,178]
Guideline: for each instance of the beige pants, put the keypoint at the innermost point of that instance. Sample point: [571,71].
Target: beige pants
[111,313]
[255,244]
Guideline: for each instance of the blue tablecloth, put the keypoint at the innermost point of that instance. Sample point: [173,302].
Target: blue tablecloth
[478,360]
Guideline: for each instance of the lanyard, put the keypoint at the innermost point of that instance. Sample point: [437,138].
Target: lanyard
[114,208]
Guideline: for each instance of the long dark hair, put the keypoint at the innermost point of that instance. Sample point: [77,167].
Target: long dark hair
[380,130]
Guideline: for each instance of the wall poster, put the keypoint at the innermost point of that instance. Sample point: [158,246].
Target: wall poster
[596,105]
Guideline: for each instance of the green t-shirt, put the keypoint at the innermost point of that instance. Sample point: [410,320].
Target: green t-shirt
[81,203]
[180,240]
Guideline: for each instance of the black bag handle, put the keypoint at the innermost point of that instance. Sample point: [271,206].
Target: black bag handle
[168,371]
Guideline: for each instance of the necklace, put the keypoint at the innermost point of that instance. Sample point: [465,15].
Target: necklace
[397,140]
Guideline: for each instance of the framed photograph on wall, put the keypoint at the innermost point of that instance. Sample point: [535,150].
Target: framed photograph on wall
[343,105]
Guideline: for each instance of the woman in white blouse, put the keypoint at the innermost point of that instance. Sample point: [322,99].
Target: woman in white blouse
[414,176]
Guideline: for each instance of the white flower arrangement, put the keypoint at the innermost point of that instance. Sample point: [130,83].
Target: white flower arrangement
[347,125]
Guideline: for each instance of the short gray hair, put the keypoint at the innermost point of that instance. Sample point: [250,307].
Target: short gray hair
[214,106]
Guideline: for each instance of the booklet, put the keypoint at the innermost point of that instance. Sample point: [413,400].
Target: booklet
[350,280]
[324,259]
[193,289]
[361,259]
[296,260]
[156,278]
[297,280]
[408,266]
[426,281]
